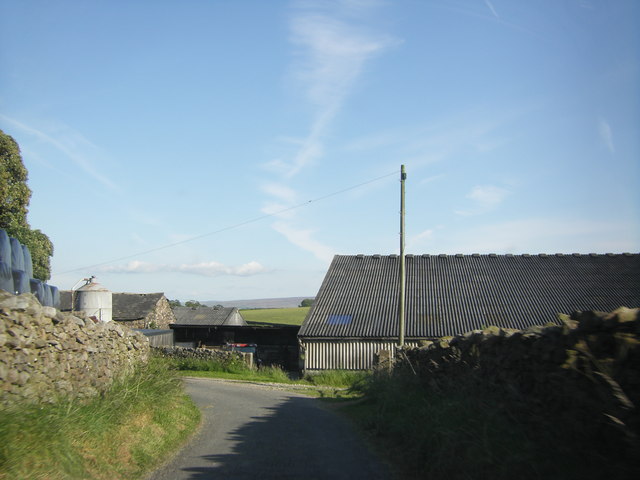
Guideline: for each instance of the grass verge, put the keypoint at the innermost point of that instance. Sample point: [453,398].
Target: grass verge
[121,434]
[236,369]
[282,381]
[465,429]
[265,374]
[329,384]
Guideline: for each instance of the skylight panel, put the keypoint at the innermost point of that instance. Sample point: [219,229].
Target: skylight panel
[339,319]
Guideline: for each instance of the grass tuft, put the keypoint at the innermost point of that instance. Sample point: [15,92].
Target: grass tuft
[337,378]
[273,374]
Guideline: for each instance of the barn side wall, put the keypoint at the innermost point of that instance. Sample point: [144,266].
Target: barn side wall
[345,354]
[46,354]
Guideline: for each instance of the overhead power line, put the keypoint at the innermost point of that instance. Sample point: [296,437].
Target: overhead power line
[232,227]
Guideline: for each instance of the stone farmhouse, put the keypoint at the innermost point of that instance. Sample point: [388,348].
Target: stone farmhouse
[355,314]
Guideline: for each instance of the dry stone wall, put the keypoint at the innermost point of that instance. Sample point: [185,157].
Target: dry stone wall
[222,356]
[586,370]
[46,354]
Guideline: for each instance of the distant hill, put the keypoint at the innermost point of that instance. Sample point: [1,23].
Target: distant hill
[288,302]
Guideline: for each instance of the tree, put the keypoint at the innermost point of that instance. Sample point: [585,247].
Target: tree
[14,192]
[307,302]
[193,304]
[14,203]
[175,303]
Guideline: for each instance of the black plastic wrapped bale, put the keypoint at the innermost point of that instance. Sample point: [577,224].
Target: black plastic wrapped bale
[20,282]
[37,288]
[55,297]
[17,255]
[6,279]
[5,248]
[28,262]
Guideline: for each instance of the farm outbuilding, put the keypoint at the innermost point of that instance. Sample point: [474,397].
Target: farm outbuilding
[204,326]
[355,314]
[136,310]
[208,316]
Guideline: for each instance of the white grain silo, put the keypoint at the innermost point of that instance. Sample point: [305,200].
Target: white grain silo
[93,299]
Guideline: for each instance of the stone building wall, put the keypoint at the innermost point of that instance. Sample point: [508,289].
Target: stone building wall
[46,354]
[160,317]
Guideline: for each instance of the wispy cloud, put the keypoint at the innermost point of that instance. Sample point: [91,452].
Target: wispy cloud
[304,240]
[492,8]
[280,191]
[332,52]
[468,132]
[281,200]
[417,241]
[487,196]
[332,46]
[477,10]
[431,179]
[206,269]
[72,144]
[604,129]
[484,198]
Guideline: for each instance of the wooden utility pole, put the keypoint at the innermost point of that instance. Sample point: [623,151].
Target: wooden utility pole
[401,309]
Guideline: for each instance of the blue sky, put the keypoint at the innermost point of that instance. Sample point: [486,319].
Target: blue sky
[197,125]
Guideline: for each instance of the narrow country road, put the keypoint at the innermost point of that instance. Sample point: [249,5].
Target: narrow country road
[255,432]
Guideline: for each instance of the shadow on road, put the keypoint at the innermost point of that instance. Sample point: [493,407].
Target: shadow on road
[278,445]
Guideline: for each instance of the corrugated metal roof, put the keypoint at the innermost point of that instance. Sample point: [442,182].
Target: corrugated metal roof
[453,294]
[207,316]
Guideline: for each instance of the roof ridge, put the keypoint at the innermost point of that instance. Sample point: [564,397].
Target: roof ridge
[137,293]
[492,255]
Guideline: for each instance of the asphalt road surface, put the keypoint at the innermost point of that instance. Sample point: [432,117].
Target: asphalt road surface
[255,432]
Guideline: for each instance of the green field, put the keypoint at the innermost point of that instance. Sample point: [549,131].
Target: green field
[276,316]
